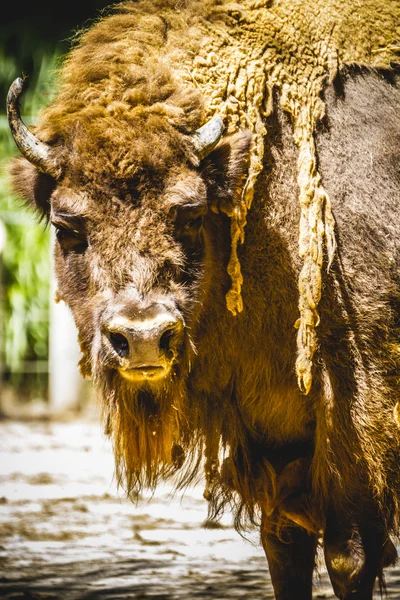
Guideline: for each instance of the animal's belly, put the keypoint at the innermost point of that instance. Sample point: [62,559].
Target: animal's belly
[280,416]
[282,425]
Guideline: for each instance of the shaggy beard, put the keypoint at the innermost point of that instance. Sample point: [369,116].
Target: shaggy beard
[150,430]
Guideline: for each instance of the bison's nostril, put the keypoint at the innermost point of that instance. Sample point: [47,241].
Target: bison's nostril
[119,343]
[166,339]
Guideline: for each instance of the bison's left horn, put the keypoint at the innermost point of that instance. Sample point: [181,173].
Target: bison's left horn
[38,153]
[208,136]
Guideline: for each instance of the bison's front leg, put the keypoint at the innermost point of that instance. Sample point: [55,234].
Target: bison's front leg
[291,562]
[355,554]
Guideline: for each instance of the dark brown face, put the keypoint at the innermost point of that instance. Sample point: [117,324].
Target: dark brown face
[133,257]
[133,273]
[136,258]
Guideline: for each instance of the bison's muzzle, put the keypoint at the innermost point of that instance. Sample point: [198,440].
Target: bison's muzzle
[145,346]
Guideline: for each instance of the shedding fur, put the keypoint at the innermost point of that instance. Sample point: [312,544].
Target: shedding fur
[238,67]
[236,55]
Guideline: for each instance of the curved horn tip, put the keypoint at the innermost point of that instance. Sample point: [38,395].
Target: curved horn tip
[15,91]
[36,152]
[18,85]
[215,124]
[208,136]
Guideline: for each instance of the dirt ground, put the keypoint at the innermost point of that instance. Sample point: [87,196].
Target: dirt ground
[67,533]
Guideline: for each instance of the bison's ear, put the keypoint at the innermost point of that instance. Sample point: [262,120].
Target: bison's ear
[225,170]
[28,183]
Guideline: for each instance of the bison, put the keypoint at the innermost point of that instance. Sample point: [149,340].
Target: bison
[224,184]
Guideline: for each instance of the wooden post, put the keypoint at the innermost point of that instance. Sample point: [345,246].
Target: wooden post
[65,381]
[3,239]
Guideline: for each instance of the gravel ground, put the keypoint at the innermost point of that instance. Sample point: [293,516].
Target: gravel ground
[66,532]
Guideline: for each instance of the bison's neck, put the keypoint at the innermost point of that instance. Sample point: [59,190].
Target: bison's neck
[252,355]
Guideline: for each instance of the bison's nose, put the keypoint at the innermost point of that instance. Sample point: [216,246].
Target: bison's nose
[145,346]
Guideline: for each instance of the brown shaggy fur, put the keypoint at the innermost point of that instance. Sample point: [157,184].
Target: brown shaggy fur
[236,57]
[131,91]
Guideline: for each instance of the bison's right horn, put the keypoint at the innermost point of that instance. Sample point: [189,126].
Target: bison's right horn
[208,136]
[38,153]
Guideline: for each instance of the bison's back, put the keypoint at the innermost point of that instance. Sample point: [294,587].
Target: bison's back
[358,155]
[359,332]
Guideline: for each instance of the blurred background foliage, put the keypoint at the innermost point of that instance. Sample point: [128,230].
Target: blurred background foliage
[33,38]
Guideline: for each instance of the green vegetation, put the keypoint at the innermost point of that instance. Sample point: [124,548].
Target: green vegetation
[26,257]
[31,41]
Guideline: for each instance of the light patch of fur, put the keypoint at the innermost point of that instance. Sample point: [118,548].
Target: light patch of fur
[149,428]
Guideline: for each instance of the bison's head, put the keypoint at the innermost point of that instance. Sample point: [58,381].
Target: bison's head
[137,227]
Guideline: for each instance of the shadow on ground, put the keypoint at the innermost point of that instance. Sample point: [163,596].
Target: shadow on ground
[67,533]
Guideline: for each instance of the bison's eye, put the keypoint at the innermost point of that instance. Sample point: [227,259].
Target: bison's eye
[71,240]
[189,222]
[193,225]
